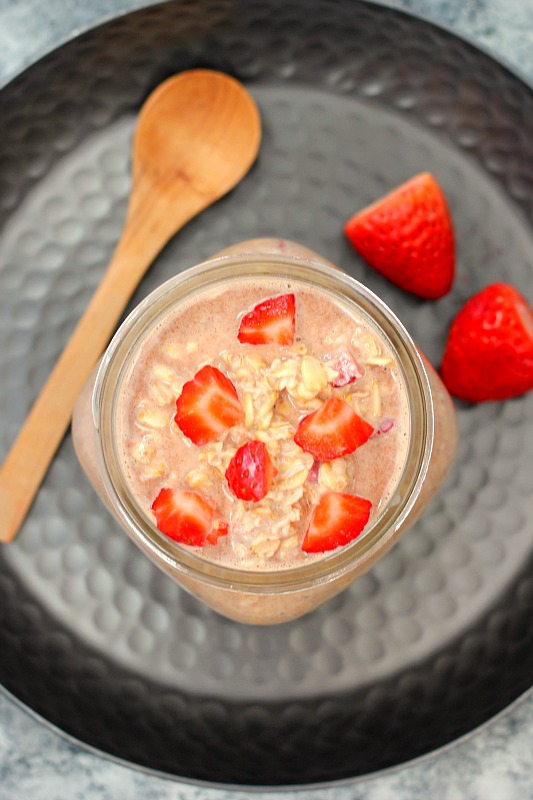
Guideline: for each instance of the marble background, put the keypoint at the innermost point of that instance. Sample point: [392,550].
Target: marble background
[494,763]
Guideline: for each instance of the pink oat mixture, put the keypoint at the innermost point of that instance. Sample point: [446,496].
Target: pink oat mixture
[334,354]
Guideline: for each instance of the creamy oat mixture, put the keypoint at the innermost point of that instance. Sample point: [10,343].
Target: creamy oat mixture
[277,387]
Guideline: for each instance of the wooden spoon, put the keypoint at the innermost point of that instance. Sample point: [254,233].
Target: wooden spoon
[197,136]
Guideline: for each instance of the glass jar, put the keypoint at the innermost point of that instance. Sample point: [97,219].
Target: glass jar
[274,596]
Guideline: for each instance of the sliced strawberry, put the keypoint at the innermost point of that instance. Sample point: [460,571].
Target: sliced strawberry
[207,406]
[270,322]
[337,520]
[408,237]
[343,362]
[251,471]
[489,350]
[188,517]
[332,431]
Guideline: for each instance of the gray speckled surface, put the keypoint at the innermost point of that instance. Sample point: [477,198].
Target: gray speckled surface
[493,764]
[34,761]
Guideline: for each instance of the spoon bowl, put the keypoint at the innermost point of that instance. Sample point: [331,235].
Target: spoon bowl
[197,136]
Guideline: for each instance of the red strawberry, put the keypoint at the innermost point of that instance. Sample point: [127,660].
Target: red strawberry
[333,430]
[188,517]
[337,519]
[408,237]
[207,406]
[489,351]
[251,471]
[270,322]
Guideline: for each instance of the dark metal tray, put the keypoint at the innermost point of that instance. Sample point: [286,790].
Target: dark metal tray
[437,639]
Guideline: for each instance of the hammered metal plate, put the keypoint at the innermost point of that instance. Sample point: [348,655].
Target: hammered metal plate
[437,638]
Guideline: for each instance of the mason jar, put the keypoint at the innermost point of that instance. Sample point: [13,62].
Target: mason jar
[255,596]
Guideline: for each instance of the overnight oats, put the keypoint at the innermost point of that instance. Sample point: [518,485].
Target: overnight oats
[264,430]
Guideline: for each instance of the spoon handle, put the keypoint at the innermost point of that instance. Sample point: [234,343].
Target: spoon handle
[41,434]
[170,187]
[156,212]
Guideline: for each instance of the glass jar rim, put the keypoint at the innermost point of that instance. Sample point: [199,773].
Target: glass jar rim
[247,266]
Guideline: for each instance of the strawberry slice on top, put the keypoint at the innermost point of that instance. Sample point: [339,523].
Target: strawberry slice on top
[408,237]
[188,517]
[272,321]
[337,520]
[251,471]
[208,406]
[489,349]
[332,431]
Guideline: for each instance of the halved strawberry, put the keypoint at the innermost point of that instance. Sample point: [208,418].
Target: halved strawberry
[251,471]
[337,520]
[270,322]
[207,406]
[188,517]
[489,350]
[332,431]
[345,364]
[408,237]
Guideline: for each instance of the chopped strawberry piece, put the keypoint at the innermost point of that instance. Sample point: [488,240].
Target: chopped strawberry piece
[251,471]
[489,350]
[270,322]
[345,364]
[408,237]
[385,426]
[337,520]
[220,528]
[208,406]
[187,517]
[312,475]
[332,431]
